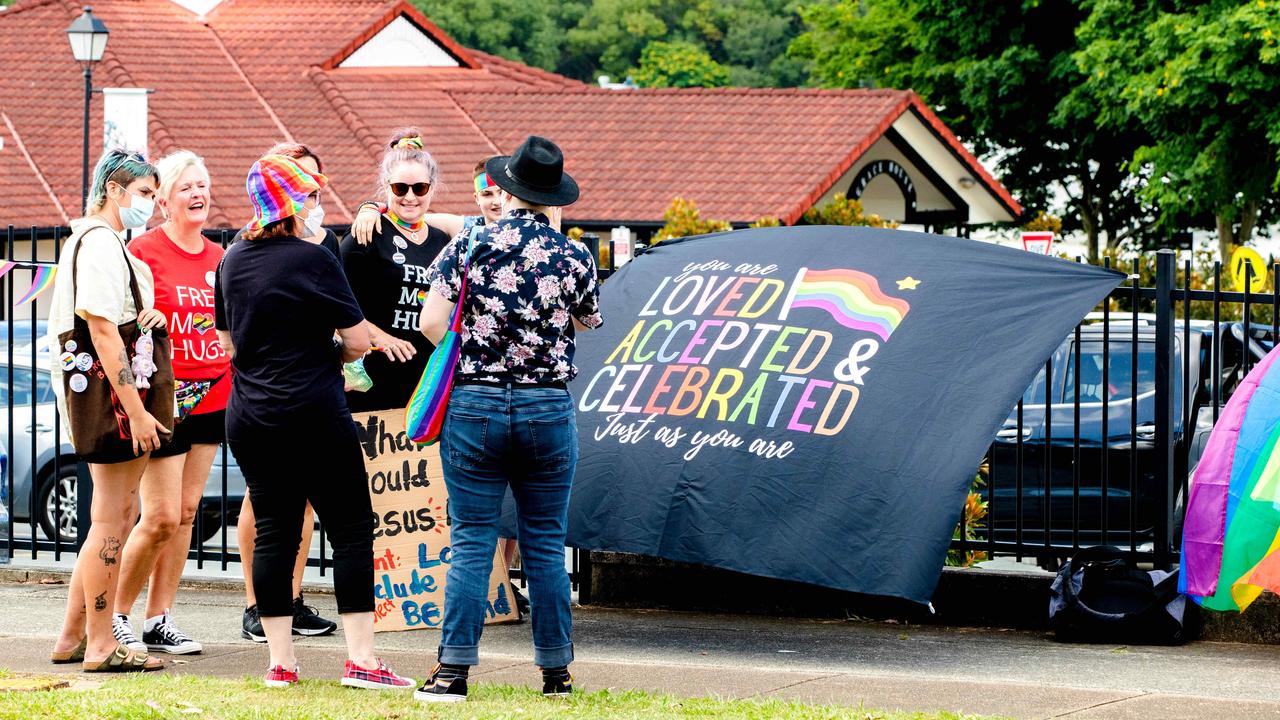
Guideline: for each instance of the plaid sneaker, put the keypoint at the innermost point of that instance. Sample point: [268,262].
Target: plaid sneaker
[557,682]
[279,677]
[444,685]
[123,633]
[381,678]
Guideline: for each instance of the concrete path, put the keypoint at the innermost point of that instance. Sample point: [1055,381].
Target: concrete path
[879,665]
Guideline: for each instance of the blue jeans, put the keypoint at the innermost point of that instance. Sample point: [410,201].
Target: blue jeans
[492,437]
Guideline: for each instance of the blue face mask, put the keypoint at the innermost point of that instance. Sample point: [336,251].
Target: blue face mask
[138,213]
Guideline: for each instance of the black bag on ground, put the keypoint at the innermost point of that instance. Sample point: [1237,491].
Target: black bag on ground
[1101,596]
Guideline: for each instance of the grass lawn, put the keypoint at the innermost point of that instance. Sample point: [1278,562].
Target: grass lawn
[153,697]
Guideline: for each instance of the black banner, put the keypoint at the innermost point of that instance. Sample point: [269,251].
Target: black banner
[808,403]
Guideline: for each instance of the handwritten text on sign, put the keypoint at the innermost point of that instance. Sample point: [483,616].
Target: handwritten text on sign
[729,343]
[411,552]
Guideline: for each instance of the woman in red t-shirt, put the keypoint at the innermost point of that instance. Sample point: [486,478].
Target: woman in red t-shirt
[184,264]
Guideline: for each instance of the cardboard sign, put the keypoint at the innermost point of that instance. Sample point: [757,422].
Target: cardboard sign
[411,549]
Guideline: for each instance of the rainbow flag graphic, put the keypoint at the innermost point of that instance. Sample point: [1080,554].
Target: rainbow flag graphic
[42,279]
[853,298]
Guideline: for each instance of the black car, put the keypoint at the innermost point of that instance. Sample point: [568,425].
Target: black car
[1114,462]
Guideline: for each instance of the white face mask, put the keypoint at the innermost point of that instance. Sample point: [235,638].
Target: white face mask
[138,213]
[314,222]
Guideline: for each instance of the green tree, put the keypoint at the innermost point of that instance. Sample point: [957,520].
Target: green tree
[585,38]
[531,33]
[683,219]
[841,210]
[679,65]
[1204,79]
[1001,76]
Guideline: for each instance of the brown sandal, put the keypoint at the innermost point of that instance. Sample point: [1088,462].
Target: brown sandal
[75,654]
[125,660]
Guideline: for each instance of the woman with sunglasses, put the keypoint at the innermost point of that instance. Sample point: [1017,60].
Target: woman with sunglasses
[389,275]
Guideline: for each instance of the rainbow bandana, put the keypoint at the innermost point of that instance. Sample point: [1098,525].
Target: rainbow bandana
[278,188]
[483,182]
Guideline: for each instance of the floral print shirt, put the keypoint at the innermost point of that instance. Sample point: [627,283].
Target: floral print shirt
[526,284]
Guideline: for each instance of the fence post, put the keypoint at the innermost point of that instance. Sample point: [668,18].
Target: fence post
[1165,276]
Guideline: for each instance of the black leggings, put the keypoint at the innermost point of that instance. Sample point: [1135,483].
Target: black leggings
[283,469]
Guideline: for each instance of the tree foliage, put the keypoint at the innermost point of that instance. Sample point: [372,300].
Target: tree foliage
[841,210]
[678,65]
[1204,79]
[684,219]
[1000,75]
[586,38]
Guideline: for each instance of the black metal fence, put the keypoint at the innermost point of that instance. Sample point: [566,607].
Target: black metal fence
[1099,449]
[1102,446]
[48,491]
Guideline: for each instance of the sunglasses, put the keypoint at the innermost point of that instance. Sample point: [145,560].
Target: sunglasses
[419,188]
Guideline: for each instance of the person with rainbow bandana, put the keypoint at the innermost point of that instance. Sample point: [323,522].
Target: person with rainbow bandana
[389,273]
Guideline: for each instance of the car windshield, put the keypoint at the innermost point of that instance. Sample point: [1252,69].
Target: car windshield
[1120,376]
[21,387]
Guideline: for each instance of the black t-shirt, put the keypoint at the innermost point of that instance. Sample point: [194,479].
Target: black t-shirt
[330,241]
[389,278]
[281,299]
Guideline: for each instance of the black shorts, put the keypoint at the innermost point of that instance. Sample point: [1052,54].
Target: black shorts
[201,429]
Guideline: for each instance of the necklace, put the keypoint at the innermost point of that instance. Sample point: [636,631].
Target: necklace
[410,228]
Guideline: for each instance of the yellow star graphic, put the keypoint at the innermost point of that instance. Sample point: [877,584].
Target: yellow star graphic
[908,283]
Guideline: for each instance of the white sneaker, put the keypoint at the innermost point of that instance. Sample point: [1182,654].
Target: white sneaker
[123,633]
[163,636]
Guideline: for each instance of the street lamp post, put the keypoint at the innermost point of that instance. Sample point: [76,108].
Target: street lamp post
[88,38]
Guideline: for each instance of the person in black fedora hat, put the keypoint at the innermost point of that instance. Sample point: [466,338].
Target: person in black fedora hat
[534,173]
[510,420]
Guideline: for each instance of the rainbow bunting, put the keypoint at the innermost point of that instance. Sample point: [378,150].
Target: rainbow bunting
[852,298]
[1231,535]
[41,280]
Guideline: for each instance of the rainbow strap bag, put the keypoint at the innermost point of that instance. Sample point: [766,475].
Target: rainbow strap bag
[424,416]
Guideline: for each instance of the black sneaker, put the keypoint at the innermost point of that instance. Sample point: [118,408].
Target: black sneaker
[306,621]
[444,685]
[557,682]
[251,626]
[165,637]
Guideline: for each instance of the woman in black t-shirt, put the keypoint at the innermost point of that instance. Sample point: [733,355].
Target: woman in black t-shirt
[389,275]
[278,302]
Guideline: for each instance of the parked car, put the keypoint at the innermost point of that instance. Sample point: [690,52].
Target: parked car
[33,458]
[23,335]
[1049,440]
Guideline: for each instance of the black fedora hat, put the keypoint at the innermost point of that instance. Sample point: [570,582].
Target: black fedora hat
[534,173]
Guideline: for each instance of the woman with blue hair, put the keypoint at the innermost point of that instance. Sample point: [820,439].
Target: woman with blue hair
[101,285]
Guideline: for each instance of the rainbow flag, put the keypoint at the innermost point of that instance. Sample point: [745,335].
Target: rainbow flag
[1231,535]
[853,298]
[41,280]
[6,266]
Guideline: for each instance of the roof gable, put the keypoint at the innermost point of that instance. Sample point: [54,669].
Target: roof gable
[399,44]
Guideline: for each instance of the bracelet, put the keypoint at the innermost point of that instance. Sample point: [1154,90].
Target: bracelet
[377,206]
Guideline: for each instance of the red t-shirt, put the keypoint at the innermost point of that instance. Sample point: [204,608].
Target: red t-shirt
[184,293]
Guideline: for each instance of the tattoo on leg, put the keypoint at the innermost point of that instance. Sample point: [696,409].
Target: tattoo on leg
[110,549]
[125,377]
[100,602]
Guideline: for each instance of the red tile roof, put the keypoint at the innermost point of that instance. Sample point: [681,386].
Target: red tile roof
[254,72]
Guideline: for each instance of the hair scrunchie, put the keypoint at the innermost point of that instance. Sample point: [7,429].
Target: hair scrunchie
[409,143]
